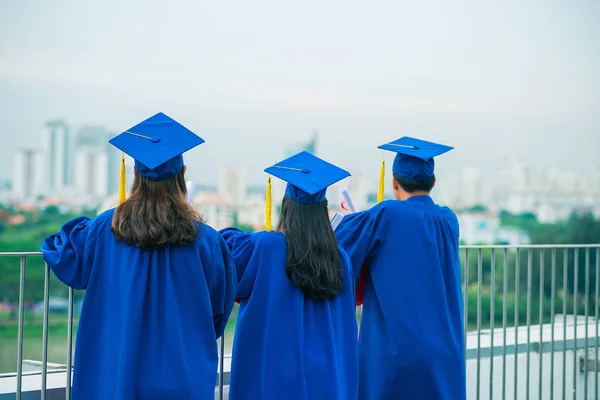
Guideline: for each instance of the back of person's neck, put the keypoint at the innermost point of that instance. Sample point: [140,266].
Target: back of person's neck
[402,196]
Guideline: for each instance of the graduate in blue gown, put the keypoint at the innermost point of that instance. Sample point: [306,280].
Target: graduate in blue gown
[411,332]
[296,332]
[160,284]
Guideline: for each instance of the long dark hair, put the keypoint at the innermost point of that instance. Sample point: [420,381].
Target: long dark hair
[156,214]
[313,261]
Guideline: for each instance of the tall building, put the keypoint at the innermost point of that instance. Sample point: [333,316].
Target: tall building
[28,174]
[594,180]
[232,184]
[58,149]
[559,180]
[91,135]
[97,135]
[310,146]
[114,166]
[252,211]
[470,191]
[514,175]
[216,209]
[513,179]
[91,171]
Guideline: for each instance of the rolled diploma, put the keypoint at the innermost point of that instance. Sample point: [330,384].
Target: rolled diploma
[335,221]
[191,191]
[348,200]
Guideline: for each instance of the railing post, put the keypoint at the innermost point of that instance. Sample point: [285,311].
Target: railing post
[222,366]
[69,345]
[492,319]
[597,317]
[45,330]
[575,301]
[541,319]
[565,294]
[20,329]
[479,281]
[552,314]
[516,346]
[529,278]
[466,301]
[587,297]
[504,321]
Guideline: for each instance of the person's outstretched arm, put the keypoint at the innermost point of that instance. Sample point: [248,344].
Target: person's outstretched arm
[361,235]
[69,253]
[242,246]
[222,285]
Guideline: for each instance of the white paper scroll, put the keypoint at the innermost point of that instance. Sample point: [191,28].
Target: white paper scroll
[348,200]
[335,221]
[191,191]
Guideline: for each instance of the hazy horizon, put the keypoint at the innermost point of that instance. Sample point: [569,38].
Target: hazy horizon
[496,81]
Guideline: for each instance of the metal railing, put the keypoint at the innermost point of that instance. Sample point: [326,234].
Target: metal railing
[222,378]
[518,264]
[480,265]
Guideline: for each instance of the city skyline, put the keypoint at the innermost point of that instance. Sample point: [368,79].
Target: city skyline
[551,197]
[93,134]
[77,167]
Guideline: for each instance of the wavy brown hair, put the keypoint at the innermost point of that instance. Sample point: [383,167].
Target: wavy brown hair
[156,214]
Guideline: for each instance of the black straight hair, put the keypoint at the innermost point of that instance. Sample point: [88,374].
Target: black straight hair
[313,261]
[412,185]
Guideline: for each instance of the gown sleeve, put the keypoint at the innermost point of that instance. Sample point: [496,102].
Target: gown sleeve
[361,235]
[69,253]
[222,285]
[242,248]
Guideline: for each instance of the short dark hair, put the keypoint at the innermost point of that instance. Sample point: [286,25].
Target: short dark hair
[313,261]
[412,185]
[156,214]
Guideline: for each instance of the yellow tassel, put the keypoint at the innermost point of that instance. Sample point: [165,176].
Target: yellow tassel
[122,193]
[268,226]
[381,182]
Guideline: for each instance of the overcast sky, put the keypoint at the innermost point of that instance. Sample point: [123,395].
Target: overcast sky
[519,78]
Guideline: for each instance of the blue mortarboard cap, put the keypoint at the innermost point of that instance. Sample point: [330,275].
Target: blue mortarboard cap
[414,158]
[157,145]
[307,176]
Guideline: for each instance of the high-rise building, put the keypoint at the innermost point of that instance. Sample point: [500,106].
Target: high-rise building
[91,135]
[514,175]
[470,187]
[91,166]
[58,150]
[217,210]
[232,184]
[114,165]
[310,146]
[28,174]
[513,179]
[96,135]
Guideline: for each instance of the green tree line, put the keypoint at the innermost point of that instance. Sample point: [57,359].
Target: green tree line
[542,271]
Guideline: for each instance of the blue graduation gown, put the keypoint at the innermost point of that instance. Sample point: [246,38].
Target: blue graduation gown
[288,346]
[411,332]
[150,318]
